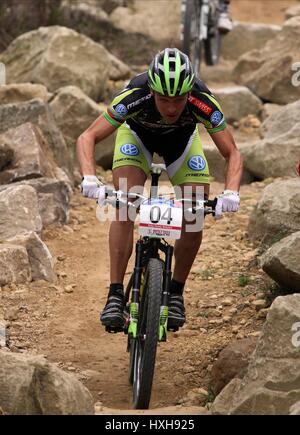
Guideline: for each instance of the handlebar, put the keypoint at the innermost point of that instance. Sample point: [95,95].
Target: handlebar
[118,198]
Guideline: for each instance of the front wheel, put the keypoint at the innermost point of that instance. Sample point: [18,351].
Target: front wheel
[145,346]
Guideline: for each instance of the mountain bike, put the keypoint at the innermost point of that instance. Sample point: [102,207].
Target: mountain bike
[200,31]
[147,292]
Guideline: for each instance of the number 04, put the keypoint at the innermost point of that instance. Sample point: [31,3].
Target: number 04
[155,215]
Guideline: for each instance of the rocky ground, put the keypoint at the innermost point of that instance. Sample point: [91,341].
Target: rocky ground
[225,299]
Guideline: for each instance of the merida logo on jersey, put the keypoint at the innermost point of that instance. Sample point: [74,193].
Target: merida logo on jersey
[140,100]
[202,106]
[129,149]
[196,163]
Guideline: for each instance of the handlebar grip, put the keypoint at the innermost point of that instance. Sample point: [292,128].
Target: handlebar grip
[211,203]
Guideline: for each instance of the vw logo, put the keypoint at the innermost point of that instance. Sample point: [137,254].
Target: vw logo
[216,117]
[196,163]
[121,110]
[129,149]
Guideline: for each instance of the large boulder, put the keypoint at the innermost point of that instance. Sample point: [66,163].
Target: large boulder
[272,381]
[292,12]
[40,258]
[276,214]
[37,112]
[284,123]
[32,386]
[18,211]
[277,155]
[270,109]
[282,262]
[272,157]
[220,73]
[247,36]
[238,102]
[18,93]
[144,18]
[74,111]
[232,363]
[32,156]
[53,199]
[119,70]
[56,57]
[268,72]
[14,265]
[93,21]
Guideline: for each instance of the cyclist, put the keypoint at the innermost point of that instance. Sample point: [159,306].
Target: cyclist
[158,112]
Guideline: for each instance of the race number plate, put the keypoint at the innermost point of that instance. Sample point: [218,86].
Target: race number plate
[160,218]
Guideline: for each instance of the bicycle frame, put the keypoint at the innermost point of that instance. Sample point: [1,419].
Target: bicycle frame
[146,248]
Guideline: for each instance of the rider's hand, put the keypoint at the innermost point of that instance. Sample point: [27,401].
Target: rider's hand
[228,201]
[92,187]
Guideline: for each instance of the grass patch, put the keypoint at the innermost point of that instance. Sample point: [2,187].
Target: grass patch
[203,314]
[244,280]
[210,397]
[206,274]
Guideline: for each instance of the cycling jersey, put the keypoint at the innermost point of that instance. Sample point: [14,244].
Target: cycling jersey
[144,132]
[135,105]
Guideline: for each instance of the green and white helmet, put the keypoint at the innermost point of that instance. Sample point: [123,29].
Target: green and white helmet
[171,73]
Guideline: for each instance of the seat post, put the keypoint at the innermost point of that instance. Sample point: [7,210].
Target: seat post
[154,184]
[156,170]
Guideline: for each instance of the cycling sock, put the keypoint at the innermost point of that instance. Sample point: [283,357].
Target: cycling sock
[176,287]
[116,289]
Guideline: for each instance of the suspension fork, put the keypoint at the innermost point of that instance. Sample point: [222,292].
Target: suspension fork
[167,274]
[135,293]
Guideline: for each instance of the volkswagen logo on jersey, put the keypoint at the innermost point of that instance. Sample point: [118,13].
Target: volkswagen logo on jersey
[216,117]
[129,149]
[197,163]
[121,110]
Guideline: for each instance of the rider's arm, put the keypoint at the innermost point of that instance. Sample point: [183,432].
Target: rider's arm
[234,161]
[99,130]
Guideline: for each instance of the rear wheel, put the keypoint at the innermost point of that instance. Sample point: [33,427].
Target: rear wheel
[191,44]
[145,346]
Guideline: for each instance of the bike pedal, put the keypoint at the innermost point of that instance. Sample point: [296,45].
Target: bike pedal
[113,330]
[173,329]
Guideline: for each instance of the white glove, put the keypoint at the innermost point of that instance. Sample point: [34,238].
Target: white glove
[92,187]
[228,201]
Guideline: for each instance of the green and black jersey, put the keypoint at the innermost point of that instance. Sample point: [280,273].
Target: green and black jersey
[135,105]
